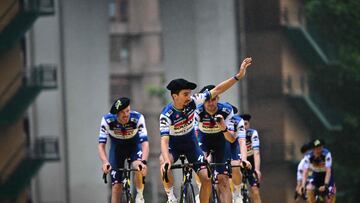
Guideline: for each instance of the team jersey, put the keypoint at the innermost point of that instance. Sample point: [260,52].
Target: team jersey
[206,123]
[319,164]
[300,170]
[238,125]
[134,131]
[179,124]
[252,141]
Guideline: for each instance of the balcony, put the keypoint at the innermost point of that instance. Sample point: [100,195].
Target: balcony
[40,78]
[44,149]
[29,11]
[305,38]
[314,109]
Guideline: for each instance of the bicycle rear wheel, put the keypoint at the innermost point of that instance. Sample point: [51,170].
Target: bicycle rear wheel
[187,193]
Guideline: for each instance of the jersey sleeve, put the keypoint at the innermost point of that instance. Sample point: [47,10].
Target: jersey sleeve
[228,123]
[328,160]
[164,125]
[306,162]
[255,140]
[240,129]
[300,170]
[104,131]
[200,98]
[142,129]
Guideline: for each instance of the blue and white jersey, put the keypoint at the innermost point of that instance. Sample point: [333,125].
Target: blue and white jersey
[252,141]
[134,131]
[238,125]
[300,170]
[180,123]
[318,164]
[206,122]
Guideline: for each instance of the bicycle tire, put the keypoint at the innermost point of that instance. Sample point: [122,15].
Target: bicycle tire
[214,198]
[127,197]
[187,193]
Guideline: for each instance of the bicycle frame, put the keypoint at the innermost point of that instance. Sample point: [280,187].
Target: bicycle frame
[126,182]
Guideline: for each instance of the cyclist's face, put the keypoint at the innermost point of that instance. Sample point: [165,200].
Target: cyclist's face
[124,115]
[211,104]
[317,151]
[183,98]
[246,124]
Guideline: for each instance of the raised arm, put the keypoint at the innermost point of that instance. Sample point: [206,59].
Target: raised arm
[225,85]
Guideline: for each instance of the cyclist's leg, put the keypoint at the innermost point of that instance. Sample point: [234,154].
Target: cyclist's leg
[117,158]
[255,187]
[221,155]
[168,186]
[310,193]
[194,154]
[135,157]
[236,174]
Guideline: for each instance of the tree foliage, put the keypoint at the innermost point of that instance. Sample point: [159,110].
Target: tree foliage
[338,22]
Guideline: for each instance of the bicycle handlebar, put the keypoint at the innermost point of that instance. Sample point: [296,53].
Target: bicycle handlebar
[104,176]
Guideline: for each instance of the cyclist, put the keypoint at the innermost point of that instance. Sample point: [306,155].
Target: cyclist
[128,137]
[253,155]
[238,154]
[319,161]
[177,121]
[306,148]
[215,132]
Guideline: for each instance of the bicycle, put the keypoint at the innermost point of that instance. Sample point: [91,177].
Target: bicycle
[214,198]
[320,197]
[187,192]
[244,187]
[126,196]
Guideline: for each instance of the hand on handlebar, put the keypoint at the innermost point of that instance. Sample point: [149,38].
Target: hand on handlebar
[247,164]
[106,167]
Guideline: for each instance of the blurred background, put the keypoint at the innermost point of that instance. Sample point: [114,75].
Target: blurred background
[62,64]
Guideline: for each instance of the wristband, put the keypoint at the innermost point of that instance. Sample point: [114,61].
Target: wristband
[144,162]
[237,79]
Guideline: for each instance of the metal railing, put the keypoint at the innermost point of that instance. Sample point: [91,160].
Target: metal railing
[44,76]
[46,148]
[43,7]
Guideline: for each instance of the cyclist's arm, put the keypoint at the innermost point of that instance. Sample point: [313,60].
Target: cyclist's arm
[102,153]
[257,159]
[165,123]
[306,170]
[243,150]
[230,134]
[225,85]
[256,148]
[328,163]
[165,148]
[143,138]
[103,134]
[145,150]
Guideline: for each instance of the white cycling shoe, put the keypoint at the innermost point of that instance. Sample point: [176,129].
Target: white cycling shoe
[172,200]
[237,197]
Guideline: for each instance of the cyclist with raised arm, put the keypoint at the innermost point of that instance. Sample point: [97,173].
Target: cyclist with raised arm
[238,154]
[253,155]
[319,161]
[128,139]
[177,121]
[215,133]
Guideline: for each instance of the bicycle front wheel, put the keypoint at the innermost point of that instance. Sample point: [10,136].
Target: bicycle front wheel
[214,198]
[187,193]
[127,197]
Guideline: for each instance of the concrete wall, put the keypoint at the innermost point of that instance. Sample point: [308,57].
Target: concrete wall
[76,39]
[199,42]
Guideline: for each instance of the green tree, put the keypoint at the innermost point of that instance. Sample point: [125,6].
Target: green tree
[338,23]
